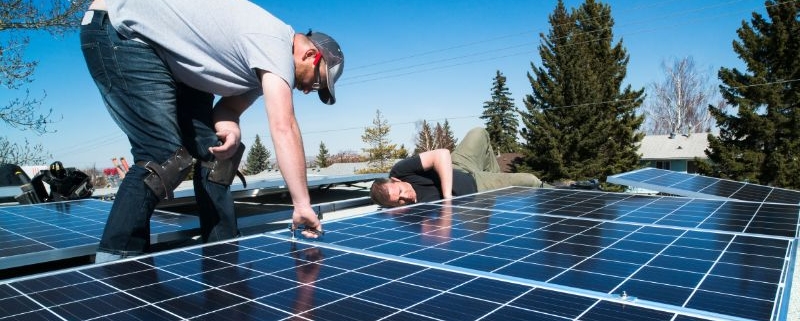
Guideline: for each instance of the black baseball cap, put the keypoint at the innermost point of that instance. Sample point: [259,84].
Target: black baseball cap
[334,59]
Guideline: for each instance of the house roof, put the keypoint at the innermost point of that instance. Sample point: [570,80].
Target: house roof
[677,147]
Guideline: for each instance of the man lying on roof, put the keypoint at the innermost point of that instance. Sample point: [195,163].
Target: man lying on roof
[439,174]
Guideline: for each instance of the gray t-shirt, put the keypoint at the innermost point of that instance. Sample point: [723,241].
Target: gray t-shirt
[214,46]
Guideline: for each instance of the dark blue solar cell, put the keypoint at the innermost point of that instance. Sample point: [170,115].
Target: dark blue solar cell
[396,248]
[15,305]
[479,262]
[300,299]
[695,183]
[435,255]
[574,249]
[553,302]
[681,263]
[732,305]
[241,312]
[784,196]
[225,275]
[348,283]
[605,311]
[747,288]
[50,282]
[454,307]
[403,316]
[752,193]
[272,263]
[607,267]
[347,261]
[359,242]
[195,266]
[398,294]
[348,309]
[463,246]
[65,295]
[97,306]
[638,246]
[588,281]
[517,314]
[530,271]
[506,252]
[390,269]
[657,292]
[754,273]
[167,290]
[753,259]
[554,259]
[259,286]
[437,279]
[669,276]
[692,253]
[491,290]
[624,256]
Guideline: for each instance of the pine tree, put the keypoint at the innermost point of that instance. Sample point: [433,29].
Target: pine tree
[401,152]
[257,158]
[448,140]
[425,139]
[377,137]
[324,157]
[761,143]
[579,123]
[500,115]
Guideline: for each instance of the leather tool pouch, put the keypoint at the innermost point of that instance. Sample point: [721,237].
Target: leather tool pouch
[223,171]
[164,178]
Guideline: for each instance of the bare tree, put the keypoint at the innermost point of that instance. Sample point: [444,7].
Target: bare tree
[680,102]
[17,19]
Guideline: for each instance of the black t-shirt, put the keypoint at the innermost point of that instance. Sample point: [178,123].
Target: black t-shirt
[426,183]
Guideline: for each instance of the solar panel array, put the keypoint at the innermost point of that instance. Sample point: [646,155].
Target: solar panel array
[267,278]
[37,233]
[511,254]
[694,185]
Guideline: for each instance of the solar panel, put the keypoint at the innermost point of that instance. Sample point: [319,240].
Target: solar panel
[705,255]
[694,185]
[269,278]
[515,253]
[37,233]
[257,185]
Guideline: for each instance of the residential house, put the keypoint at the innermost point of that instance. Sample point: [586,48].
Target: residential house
[674,152]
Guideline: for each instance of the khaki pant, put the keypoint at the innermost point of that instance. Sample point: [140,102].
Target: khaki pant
[474,155]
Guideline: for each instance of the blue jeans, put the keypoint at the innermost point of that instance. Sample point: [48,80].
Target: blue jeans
[159,115]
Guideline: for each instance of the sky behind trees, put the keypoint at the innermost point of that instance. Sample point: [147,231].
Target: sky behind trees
[414,60]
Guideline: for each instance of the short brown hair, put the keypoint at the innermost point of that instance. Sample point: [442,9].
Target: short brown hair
[379,192]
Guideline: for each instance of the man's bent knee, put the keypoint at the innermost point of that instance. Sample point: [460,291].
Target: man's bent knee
[165,177]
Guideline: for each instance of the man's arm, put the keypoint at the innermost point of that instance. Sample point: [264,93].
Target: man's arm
[226,124]
[439,160]
[288,145]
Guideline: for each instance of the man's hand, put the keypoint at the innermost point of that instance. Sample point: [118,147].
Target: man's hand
[306,217]
[230,143]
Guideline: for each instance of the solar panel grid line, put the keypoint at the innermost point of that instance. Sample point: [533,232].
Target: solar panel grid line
[599,296]
[729,234]
[790,224]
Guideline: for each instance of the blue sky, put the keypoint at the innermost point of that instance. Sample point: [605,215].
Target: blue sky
[410,59]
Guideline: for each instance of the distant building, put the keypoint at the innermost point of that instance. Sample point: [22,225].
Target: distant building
[674,152]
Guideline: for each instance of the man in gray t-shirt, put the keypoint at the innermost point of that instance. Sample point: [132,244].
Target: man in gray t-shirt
[159,64]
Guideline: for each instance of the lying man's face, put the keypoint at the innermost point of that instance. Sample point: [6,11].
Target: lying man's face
[400,193]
